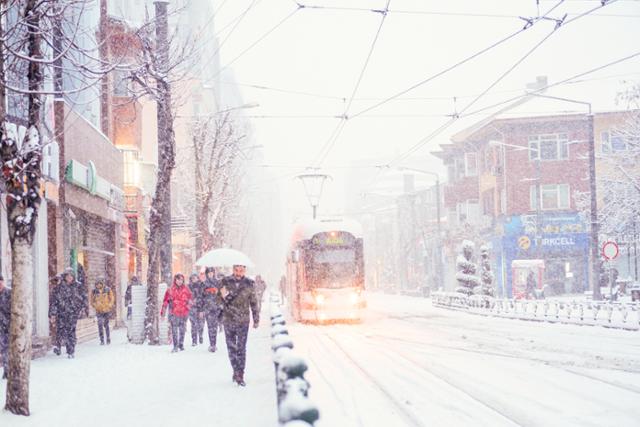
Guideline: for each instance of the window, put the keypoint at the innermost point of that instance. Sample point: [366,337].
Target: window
[451,172]
[120,83]
[471,164]
[548,147]
[554,196]
[468,211]
[131,167]
[459,168]
[488,203]
[612,143]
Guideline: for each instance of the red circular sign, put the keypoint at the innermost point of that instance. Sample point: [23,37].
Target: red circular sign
[610,250]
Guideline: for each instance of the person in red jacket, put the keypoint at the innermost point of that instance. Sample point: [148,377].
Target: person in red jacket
[179,299]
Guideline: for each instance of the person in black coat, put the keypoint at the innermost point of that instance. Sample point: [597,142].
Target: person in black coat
[69,301]
[55,334]
[5,322]
[211,306]
[238,296]
[196,316]
[127,295]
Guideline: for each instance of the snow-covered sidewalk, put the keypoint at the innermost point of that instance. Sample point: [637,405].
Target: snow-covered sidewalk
[125,384]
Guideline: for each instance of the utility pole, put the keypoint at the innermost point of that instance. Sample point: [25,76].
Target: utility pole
[595,255]
[440,263]
[166,151]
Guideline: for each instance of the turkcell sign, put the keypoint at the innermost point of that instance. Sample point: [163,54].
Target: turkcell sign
[558,241]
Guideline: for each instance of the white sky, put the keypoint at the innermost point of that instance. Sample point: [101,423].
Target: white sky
[322,51]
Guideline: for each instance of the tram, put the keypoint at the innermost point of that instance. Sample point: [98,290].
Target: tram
[325,271]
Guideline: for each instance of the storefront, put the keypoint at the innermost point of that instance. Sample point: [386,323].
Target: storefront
[91,214]
[563,244]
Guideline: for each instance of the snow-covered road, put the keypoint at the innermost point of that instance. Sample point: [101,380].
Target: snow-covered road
[410,364]
[138,385]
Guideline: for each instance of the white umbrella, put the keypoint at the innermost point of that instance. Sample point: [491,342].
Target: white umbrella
[224,258]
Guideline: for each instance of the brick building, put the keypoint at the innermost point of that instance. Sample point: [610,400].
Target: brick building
[514,184]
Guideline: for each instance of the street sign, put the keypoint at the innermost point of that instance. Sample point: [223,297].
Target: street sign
[610,250]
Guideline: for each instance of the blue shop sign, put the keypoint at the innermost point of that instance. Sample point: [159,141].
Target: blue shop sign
[550,224]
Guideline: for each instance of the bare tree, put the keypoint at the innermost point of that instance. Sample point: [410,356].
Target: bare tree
[39,44]
[216,148]
[620,176]
[162,62]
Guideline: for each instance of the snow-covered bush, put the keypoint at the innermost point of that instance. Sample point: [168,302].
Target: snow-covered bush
[486,275]
[467,269]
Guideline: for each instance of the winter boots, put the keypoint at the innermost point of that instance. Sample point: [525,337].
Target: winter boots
[238,378]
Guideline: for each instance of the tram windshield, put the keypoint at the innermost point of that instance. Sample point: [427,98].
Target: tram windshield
[332,268]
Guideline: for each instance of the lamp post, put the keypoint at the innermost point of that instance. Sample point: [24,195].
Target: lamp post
[538,195]
[595,253]
[313,184]
[439,220]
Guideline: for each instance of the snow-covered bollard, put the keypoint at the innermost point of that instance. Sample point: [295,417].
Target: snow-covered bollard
[281,340]
[279,354]
[278,320]
[279,330]
[293,366]
[297,385]
[295,406]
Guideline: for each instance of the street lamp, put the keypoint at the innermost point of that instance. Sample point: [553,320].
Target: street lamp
[313,184]
[439,220]
[595,255]
[538,194]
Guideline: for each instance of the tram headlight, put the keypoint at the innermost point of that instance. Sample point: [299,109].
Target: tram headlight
[319,299]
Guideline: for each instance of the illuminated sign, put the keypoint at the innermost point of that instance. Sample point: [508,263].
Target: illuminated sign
[334,238]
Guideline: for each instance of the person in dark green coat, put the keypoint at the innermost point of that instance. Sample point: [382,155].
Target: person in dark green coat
[239,304]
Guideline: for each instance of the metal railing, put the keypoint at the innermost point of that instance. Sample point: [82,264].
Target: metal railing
[618,315]
[294,405]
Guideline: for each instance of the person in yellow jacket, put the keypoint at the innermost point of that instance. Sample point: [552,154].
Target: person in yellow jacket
[102,300]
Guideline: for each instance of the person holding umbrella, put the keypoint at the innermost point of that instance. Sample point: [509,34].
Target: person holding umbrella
[238,297]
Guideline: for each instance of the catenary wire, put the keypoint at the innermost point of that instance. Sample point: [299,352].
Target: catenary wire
[326,149]
[457,64]
[446,125]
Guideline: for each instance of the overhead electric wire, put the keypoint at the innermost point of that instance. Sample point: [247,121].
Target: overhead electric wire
[438,131]
[262,37]
[328,146]
[288,91]
[437,13]
[561,82]
[410,98]
[235,22]
[459,63]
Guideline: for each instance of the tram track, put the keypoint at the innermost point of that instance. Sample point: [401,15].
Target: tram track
[410,418]
[393,354]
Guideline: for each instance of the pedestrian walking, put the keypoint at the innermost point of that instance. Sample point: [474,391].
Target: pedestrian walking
[5,323]
[69,301]
[102,300]
[55,333]
[196,315]
[261,286]
[211,306]
[179,298]
[127,295]
[238,295]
